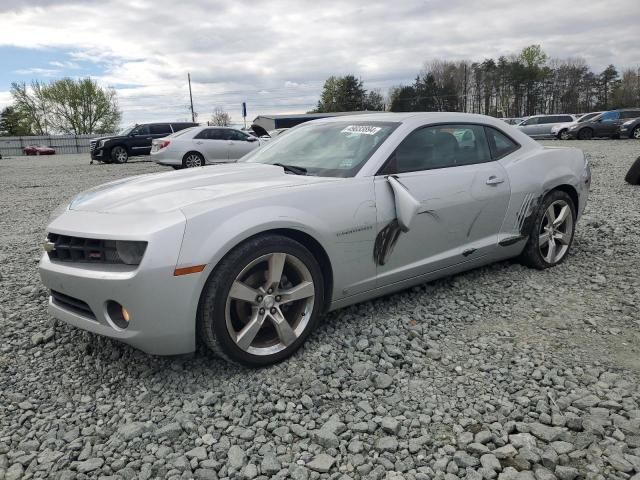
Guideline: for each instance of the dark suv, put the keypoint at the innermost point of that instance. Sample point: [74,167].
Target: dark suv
[604,125]
[132,141]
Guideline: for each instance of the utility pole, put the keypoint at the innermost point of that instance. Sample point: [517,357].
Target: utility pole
[193,115]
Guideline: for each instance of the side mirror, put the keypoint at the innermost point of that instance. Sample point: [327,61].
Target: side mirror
[252,139]
[406,205]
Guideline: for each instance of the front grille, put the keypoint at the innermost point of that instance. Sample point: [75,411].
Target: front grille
[79,249]
[92,145]
[72,304]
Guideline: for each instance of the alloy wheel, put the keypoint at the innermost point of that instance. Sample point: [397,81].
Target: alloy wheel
[193,160]
[270,304]
[121,155]
[636,133]
[564,135]
[556,231]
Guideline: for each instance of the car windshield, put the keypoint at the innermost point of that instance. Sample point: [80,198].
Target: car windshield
[126,130]
[330,149]
[588,116]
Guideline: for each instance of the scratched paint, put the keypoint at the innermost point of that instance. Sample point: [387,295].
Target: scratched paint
[386,241]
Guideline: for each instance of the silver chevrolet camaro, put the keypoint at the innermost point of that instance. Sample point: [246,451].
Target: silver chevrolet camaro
[247,257]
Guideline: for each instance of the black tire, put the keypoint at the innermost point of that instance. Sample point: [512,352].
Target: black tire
[633,175]
[191,158]
[211,319]
[531,255]
[563,134]
[119,154]
[635,133]
[585,134]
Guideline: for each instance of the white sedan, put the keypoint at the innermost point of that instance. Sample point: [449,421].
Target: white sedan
[247,257]
[197,146]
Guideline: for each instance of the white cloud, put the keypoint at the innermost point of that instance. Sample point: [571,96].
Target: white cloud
[275,54]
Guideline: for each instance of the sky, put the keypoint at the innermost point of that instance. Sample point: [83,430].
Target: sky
[276,54]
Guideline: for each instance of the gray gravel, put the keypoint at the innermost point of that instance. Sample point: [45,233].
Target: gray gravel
[500,373]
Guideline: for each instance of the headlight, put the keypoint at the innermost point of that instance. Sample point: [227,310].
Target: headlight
[131,252]
[628,122]
[101,143]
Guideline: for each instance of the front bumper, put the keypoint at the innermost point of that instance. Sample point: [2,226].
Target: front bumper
[99,154]
[625,132]
[162,307]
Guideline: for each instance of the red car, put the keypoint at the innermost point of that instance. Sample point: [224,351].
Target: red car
[38,150]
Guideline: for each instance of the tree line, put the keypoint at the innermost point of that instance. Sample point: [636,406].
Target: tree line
[65,106]
[526,84]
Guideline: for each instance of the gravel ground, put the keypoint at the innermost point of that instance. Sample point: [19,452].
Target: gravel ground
[502,372]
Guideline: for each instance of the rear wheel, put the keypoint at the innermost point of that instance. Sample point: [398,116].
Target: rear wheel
[192,159]
[552,232]
[636,133]
[119,155]
[585,134]
[261,302]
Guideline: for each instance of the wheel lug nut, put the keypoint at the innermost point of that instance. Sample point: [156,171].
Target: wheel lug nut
[273,310]
[277,298]
[259,298]
[262,311]
[270,291]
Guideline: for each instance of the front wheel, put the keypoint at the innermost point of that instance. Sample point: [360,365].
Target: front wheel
[552,232]
[119,155]
[636,133]
[261,302]
[564,134]
[585,134]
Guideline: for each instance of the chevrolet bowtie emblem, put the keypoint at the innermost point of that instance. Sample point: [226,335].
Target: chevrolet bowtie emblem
[49,246]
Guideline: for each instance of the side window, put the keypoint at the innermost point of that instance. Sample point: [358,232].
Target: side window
[531,121]
[631,114]
[610,116]
[500,144]
[160,129]
[441,146]
[235,135]
[566,118]
[210,134]
[141,130]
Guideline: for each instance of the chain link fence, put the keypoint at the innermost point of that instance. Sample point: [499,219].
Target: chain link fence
[13,146]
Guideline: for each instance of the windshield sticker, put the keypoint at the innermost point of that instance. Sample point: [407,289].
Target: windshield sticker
[361,129]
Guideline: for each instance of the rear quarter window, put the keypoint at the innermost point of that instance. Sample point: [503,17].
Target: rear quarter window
[499,143]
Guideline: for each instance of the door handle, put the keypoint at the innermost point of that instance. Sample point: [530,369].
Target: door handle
[198,143]
[493,180]
[149,138]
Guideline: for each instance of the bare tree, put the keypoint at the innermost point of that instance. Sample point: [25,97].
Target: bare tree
[220,118]
[32,105]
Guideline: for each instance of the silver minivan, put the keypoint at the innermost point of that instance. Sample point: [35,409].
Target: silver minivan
[540,126]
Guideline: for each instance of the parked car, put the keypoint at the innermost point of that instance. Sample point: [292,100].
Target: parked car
[38,150]
[630,129]
[197,146]
[539,126]
[604,125]
[132,141]
[248,256]
[561,130]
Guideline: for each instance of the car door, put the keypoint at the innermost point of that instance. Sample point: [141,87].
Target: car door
[461,198]
[531,126]
[239,143]
[211,143]
[140,139]
[607,125]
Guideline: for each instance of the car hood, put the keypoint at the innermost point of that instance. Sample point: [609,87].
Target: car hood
[109,137]
[164,192]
